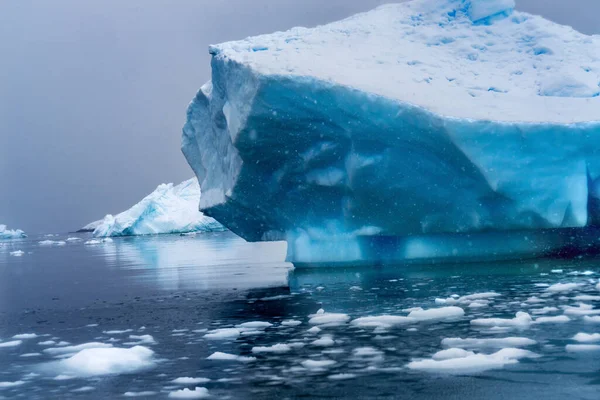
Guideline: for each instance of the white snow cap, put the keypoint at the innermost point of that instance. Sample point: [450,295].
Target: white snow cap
[475,59]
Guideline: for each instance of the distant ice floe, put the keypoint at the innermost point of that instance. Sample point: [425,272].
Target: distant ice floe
[17,253]
[98,241]
[11,384]
[197,393]
[461,362]
[169,209]
[324,319]
[521,320]
[278,348]
[582,348]
[100,361]
[189,381]
[492,343]
[12,343]
[219,356]
[139,394]
[25,336]
[52,243]
[7,234]
[587,337]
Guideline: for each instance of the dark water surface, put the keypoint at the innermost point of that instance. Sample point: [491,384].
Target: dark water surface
[185,298]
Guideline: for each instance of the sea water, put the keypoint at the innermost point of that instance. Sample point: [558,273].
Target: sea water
[158,317]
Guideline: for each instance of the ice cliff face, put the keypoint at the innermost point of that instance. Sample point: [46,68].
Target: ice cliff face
[6,233]
[169,209]
[432,117]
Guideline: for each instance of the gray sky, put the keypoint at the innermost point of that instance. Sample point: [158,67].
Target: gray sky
[93,93]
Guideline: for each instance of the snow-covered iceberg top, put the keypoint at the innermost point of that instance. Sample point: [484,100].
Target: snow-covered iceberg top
[6,233]
[169,209]
[379,136]
[459,58]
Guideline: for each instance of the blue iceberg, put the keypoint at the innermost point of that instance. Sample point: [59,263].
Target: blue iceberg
[6,233]
[169,209]
[444,129]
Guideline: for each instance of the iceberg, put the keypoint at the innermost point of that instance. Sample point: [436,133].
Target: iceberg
[6,233]
[430,129]
[91,227]
[169,209]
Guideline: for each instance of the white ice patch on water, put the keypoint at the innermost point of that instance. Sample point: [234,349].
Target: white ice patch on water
[141,339]
[496,343]
[254,325]
[586,297]
[381,321]
[106,361]
[11,384]
[223,334]
[559,319]
[278,348]
[470,363]
[28,355]
[317,364]
[139,394]
[521,320]
[581,309]
[189,381]
[324,341]
[341,377]
[450,354]
[476,297]
[545,310]
[197,393]
[594,319]
[117,332]
[323,318]
[25,336]
[59,351]
[563,287]
[83,389]
[17,253]
[12,343]
[587,337]
[291,322]
[436,314]
[219,356]
[52,243]
[582,348]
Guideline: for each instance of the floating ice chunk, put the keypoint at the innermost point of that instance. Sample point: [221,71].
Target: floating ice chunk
[254,325]
[74,239]
[52,243]
[25,336]
[562,287]
[324,341]
[107,361]
[467,299]
[318,364]
[290,322]
[229,357]
[6,234]
[559,319]
[382,321]
[141,339]
[223,334]
[595,319]
[27,355]
[544,310]
[325,319]
[169,209]
[586,297]
[521,320]
[12,343]
[581,309]
[189,381]
[367,353]
[557,271]
[472,363]
[436,314]
[11,384]
[341,377]
[47,343]
[498,343]
[57,351]
[314,330]
[63,377]
[582,348]
[117,332]
[83,389]
[17,253]
[197,393]
[587,338]
[139,394]
[535,300]
[276,348]
[450,354]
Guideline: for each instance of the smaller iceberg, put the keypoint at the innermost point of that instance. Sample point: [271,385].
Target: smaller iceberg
[169,209]
[91,227]
[6,233]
